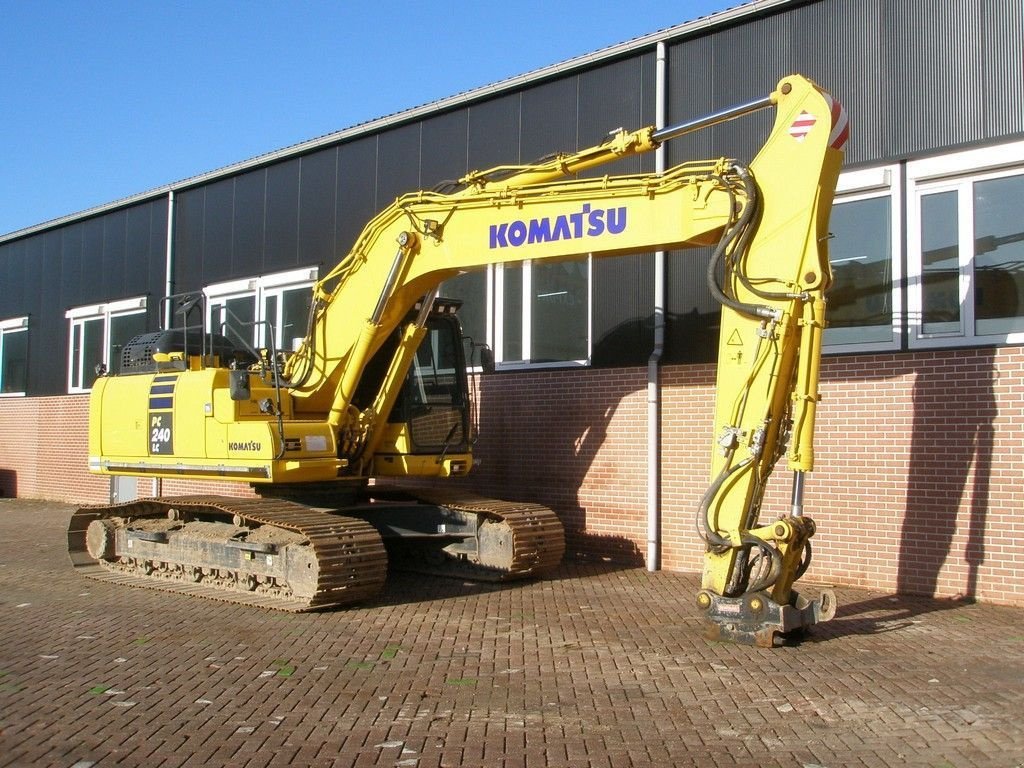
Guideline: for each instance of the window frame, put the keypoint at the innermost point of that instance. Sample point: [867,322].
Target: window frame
[259,289]
[959,172]
[496,317]
[866,184]
[9,327]
[106,312]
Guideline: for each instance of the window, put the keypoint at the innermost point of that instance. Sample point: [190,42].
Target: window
[270,311]
[542,313]
[98,334]
[864,311]
[13,356]
[965,244]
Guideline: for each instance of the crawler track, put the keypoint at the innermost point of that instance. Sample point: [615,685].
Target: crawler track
[347,564]
[535,532]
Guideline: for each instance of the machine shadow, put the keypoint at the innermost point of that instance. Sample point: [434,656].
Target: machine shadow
[949,474]
[406,587]
[880,615]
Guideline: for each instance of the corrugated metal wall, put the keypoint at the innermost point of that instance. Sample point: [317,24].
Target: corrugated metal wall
[115,256]
[917,76]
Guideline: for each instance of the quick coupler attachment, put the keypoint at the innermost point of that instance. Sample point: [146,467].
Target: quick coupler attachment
[756,619]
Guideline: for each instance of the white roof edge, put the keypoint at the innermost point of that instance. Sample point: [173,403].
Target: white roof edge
[449,102]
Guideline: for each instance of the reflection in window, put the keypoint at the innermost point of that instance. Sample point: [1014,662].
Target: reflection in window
[999,255]
[860,299]
[511,319]
[270,312]
[471,290]
[543,313]
[14,356]
[124,328]
[940,263]
[431,401]
[559,313]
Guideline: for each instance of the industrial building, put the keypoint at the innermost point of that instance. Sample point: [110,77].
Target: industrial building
[594,411]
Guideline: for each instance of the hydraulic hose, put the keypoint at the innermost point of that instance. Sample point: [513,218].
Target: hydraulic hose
[704,527]
[736,230]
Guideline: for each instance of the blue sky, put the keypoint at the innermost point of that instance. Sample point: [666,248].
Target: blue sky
[102,100]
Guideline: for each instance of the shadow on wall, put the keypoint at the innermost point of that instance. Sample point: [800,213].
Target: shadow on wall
[538,442]
[542,442]
[953,433]
[8,484]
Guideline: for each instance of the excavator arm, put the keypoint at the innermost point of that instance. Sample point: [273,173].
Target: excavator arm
[770,271]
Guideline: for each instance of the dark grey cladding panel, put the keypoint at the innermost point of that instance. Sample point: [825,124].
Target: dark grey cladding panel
[64,246]
[188,240]
[281,237]
[494,132]
[549,119]
[617,95]
[247,221]
[1002,28]
[443,148]
[318,190]
[398,163]
[218,230]
[14,300]
[114,258]
[357,190]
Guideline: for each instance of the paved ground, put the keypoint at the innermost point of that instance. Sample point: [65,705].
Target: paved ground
[595,667]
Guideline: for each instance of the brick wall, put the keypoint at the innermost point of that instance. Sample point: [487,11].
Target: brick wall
[918,485]
[44,450]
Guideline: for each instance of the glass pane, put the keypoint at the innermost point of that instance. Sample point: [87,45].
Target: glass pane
[471,289]
[76,355]
[999,255]
[295,306]
[940,263]
[559,312]
[238,320]
[14,370]
[92,349]
[432,397]
[123,328]
[512,317]
[271,323]
[861,254]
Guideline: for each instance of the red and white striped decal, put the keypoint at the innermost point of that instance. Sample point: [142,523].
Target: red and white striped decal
[840,124]
[802,125]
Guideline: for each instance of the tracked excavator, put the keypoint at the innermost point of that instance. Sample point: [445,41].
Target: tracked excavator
[337,437]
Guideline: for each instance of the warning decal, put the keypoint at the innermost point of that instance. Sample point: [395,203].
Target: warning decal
[802,125]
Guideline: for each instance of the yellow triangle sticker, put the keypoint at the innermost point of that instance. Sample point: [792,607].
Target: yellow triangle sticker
[735,340]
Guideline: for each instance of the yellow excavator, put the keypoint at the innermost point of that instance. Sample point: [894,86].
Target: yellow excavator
[338,437]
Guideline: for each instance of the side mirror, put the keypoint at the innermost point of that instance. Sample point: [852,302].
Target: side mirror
[486,359]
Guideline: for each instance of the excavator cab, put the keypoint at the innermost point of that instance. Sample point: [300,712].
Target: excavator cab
[428,431]
[434,401]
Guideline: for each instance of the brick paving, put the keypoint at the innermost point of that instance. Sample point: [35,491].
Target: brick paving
[598,666]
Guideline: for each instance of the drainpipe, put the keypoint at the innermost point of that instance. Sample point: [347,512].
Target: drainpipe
[654,362]
[169,260]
